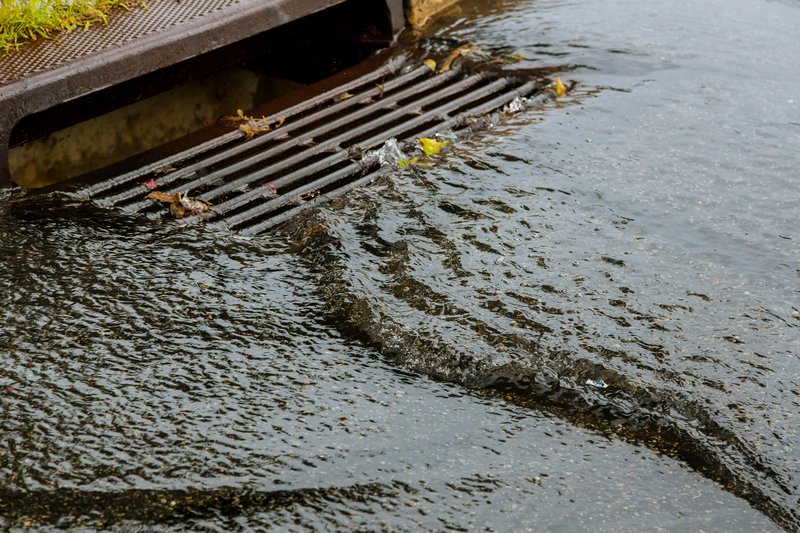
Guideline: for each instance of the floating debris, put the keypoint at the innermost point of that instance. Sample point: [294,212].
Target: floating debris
[151,184]
[455,54]
[512,58]
[556,89]
[432,146]
[166,169]
[597,383]
[516,105]
[181,205]
[430,63]
[252,126]
[561,89]
[390,153]
[403,163]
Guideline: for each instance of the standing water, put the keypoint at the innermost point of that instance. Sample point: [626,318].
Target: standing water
[588,318]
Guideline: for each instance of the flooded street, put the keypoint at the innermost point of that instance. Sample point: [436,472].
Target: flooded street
[585,319]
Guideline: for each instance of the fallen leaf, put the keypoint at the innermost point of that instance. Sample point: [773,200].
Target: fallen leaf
[194,206]
[181,205]
[160,171]
[9,389]
[344,96]
[241,117]
[272,188]
[430,63]
[150,184]
[253,128]
[403,163]
[561,89]
[458,52]
[162,196]
[432,146]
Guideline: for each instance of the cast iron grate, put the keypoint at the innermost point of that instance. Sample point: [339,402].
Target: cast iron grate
[321,150]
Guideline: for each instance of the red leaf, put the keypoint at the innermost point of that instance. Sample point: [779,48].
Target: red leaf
[273,189]
[151,184]
[9,389]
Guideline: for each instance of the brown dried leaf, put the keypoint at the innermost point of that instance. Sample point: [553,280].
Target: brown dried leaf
[180,205]
[455,54]
[163,197]
[253,128]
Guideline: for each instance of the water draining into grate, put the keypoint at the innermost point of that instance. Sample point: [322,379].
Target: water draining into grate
[320,150]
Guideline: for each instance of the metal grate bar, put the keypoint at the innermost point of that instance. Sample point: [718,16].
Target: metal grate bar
[298,109]
[300,141]
[320,148]
[317,200]
[319,155]
[370,143]
[279,201]
[276,203]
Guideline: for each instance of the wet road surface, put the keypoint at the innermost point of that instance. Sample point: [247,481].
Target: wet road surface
[587,318]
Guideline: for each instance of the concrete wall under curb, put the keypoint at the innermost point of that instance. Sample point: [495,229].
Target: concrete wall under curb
[419,12]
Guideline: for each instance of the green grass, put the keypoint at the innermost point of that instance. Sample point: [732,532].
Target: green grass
[23,21]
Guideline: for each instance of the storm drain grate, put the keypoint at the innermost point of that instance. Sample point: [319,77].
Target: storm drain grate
[318,153]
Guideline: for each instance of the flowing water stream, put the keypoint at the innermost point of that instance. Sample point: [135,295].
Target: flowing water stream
[586,318]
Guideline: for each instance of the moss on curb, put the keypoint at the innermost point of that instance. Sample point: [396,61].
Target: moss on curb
[23,21]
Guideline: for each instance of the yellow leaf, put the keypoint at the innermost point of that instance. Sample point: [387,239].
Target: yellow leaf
[561,89]
[430,63]
[403,163]
[432,146]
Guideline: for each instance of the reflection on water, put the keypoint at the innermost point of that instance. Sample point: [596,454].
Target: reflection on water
[587,318]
